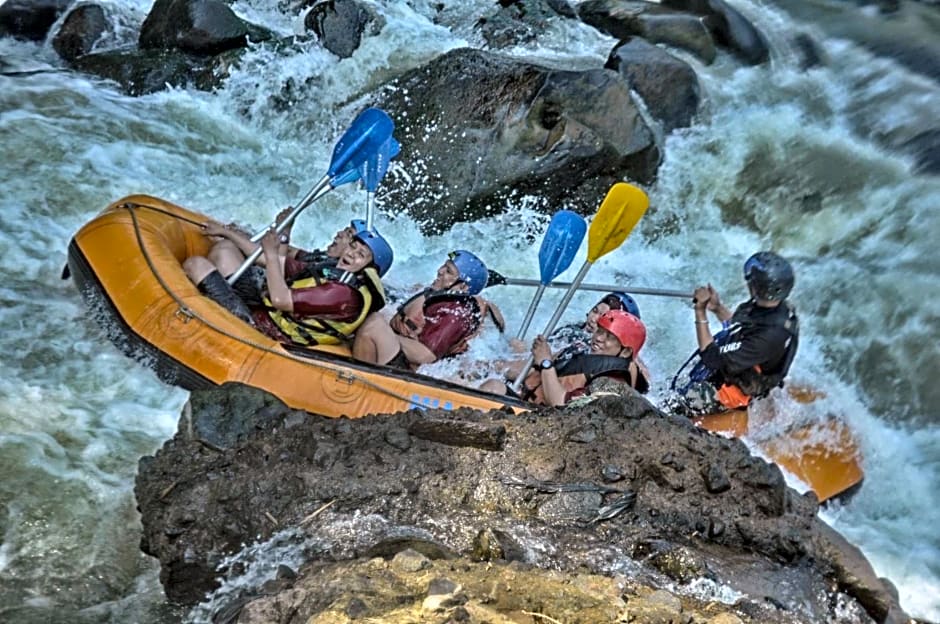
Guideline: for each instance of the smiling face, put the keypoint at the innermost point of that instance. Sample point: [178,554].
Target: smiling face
[590,322]
[340,242]
[447,277]
[356,257]
[605,343]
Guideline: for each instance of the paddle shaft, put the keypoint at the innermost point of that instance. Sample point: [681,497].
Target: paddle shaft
[517,281]
[531,311]
[307,200]
[319,190]
[517,385]
[370,209]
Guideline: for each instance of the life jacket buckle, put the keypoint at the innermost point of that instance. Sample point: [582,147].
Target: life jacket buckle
[345,376]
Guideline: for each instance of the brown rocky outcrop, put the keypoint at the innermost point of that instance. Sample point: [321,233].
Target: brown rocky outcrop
[612,488]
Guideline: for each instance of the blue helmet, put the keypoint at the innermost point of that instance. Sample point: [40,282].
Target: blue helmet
[622,301]
[382,254]
[471,269]
[358,225]
[769,276]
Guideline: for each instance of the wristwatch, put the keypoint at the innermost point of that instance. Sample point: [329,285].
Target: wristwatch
[546,364]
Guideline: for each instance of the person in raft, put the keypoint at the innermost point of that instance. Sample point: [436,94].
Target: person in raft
[234,246]
[436,323]
[753,352]
[578,335]
[615,345]
[319,304]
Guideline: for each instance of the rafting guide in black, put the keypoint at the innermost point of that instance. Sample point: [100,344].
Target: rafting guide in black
[752,353]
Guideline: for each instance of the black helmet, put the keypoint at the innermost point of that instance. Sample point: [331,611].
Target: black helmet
[769,276]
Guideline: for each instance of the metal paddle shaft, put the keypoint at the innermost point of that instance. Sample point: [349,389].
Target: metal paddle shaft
[517,384]
[531,311]
[370,209]
[322,188]
[518,281]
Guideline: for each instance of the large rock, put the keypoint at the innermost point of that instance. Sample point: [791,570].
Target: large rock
[30,19]
[729,27]
[81,28]
[604,487]
[625,19]
[478,129]
[139,72]
[195,26]
[669,86]
[340,24]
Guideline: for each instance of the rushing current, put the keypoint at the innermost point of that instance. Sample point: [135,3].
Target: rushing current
[803,162]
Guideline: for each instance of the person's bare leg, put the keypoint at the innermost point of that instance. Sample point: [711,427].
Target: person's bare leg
[197,268]
[375,341]
[494,386]
[226,256]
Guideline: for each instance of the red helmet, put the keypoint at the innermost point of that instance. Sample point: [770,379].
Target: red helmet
[628,329]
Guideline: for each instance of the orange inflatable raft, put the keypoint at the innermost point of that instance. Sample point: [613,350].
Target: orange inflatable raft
[127,264]
[824,455]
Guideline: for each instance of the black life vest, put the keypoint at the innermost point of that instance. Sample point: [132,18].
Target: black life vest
[754,382]
[758,383]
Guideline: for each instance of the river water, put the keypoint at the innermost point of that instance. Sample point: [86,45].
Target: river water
[804,162]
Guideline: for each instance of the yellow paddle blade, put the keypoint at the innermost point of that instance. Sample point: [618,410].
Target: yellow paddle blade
[615,219]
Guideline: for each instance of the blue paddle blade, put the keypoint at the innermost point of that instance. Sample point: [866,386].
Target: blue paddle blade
[375,166]
[346,176]
[369,131]
[561,244]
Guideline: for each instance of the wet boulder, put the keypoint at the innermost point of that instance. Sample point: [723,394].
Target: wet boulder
[516,22]
[651,21]
[729,27]
[30,19]
[201,27]
[139,72]
[340,24]
[479,130]
[81,28]
[668,85]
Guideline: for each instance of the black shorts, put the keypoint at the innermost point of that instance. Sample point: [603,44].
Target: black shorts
[399,361]
[250,286]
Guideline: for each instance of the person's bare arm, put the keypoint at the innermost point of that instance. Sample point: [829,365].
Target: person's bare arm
[716,306]
[553,392]
[700,301]
[278,290]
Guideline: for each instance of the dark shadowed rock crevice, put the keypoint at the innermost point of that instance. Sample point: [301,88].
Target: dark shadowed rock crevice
[610,486]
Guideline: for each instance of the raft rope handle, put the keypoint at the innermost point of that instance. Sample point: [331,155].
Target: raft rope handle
[184,309]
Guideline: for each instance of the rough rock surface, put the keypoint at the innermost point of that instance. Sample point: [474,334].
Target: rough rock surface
[340,24]
[477,129]
[30,19]
[610,488]
[82,27]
